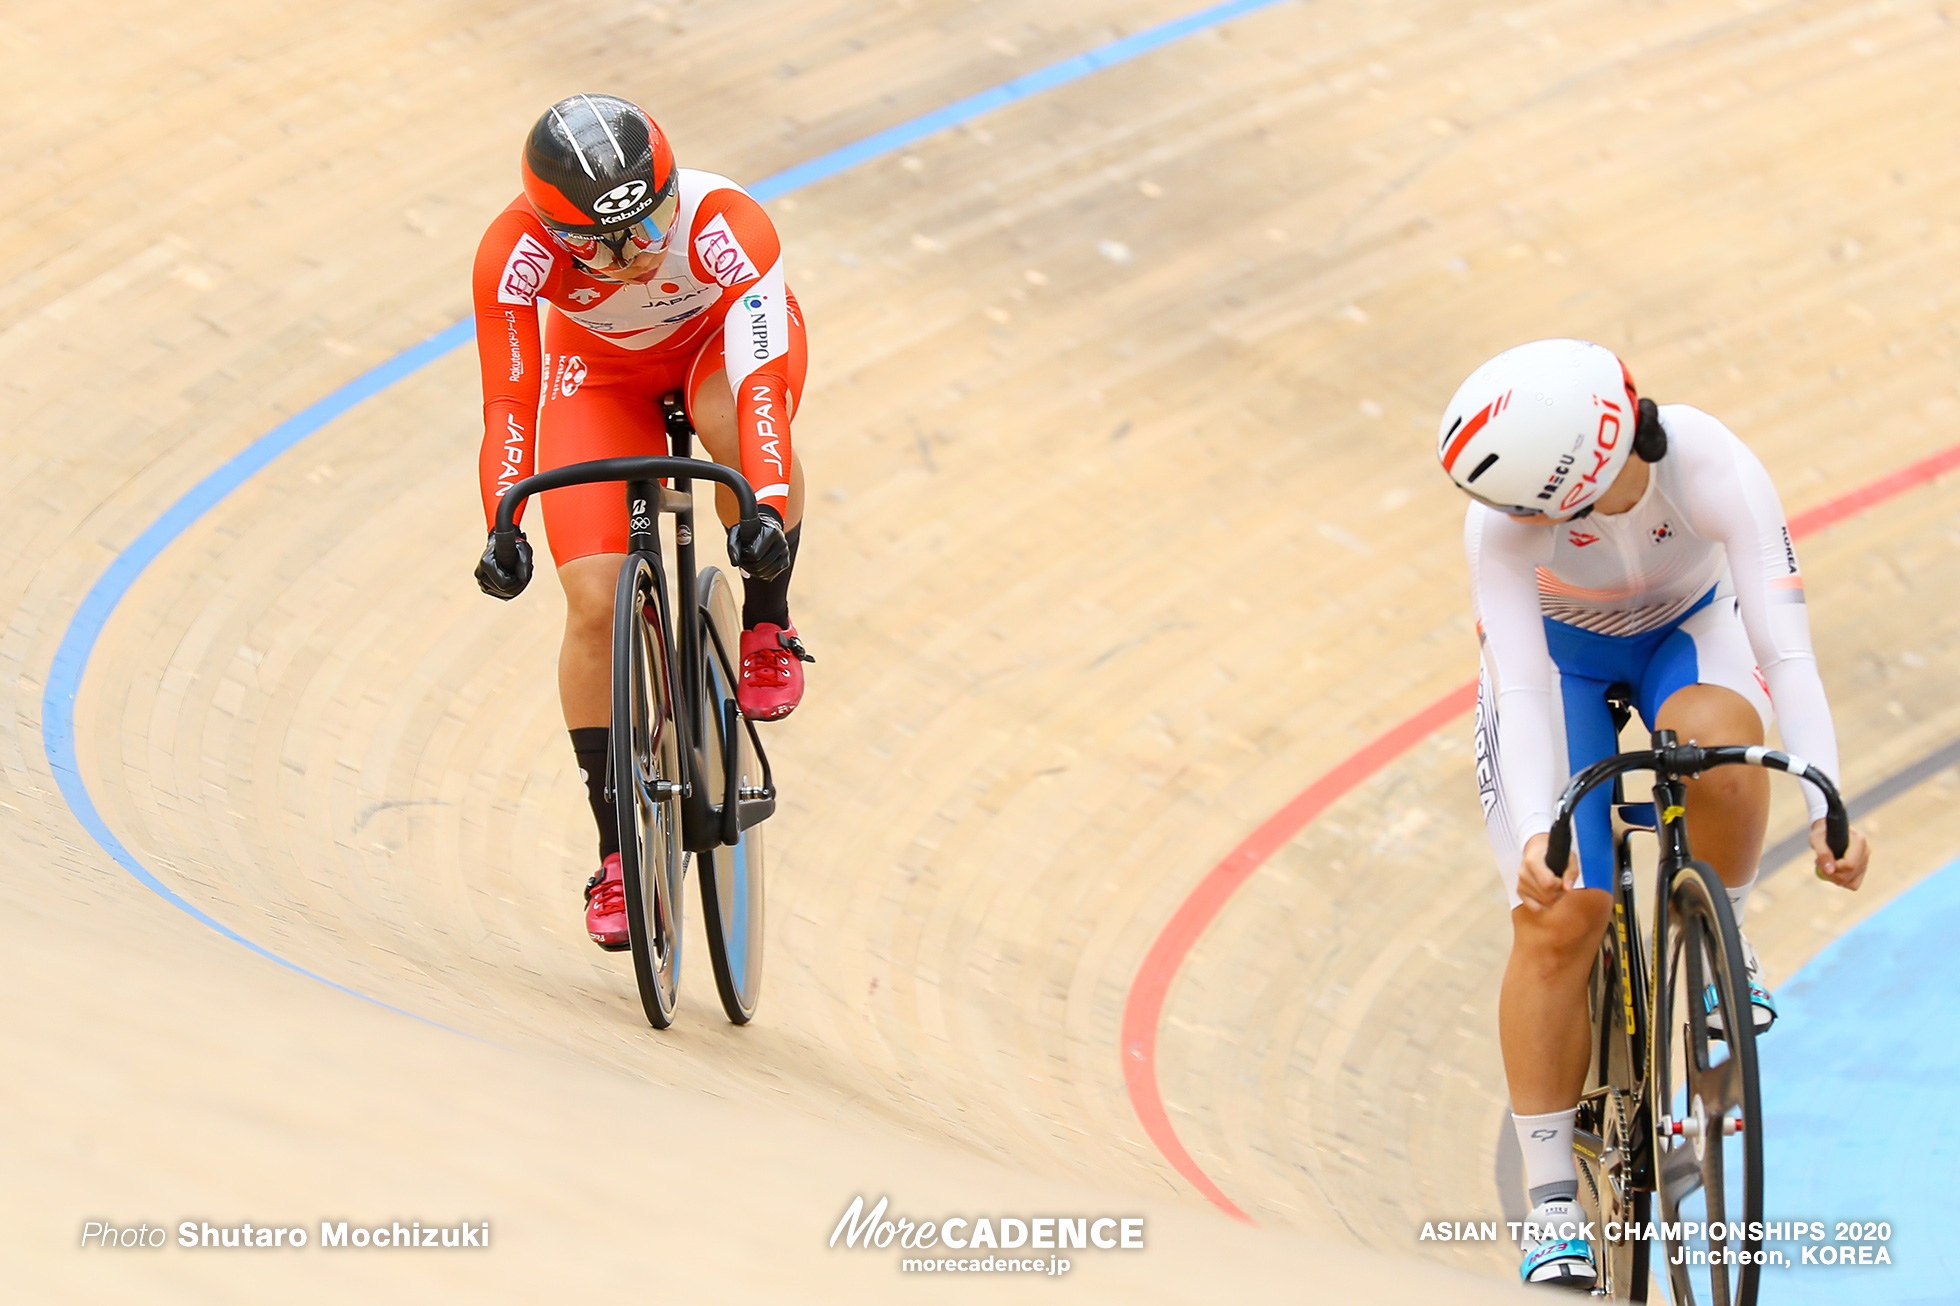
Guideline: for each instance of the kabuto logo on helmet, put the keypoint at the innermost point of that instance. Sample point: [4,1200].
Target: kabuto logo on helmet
[620,199]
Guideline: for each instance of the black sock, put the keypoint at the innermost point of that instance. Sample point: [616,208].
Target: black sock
[768,600]
[593,744]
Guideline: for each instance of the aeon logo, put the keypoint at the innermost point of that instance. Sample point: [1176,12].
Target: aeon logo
[620,199]
[722,255]
[524,272]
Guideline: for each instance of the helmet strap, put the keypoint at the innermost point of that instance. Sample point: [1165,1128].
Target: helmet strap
[1649,436]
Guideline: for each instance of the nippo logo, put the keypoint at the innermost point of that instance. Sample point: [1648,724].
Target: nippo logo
[524,272]
[722,255]
[572,376]
[620,199]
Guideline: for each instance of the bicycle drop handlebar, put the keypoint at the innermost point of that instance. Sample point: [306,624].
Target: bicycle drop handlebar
[1683,760]
[504,536]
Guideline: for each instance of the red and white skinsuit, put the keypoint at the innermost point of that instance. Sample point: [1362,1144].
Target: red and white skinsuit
[591,388]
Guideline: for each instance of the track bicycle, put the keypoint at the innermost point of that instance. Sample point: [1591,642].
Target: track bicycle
[1673,1106]
[688,773]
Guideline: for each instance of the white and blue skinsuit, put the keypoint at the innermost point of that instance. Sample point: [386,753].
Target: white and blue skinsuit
[1696,583]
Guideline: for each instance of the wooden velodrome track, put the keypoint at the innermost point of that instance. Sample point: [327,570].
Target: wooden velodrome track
[1124,528]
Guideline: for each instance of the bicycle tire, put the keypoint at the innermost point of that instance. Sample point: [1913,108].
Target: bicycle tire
[647,786]
[1607,1140]
[731,875]
[1694,1150]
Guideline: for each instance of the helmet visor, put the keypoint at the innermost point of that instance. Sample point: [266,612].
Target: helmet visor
[605,250]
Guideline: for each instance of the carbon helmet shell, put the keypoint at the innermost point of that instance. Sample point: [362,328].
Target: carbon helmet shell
[596,163]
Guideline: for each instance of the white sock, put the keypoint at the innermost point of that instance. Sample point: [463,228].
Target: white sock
[1546,1141]
[1739,897]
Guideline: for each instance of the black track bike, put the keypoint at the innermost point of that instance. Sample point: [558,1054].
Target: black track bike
[688,772]
[1673,1106]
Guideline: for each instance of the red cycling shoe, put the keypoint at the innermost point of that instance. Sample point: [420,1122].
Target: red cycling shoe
[605,907]
[772,672]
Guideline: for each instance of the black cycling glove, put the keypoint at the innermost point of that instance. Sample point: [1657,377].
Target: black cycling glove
[759,548]
[494,580]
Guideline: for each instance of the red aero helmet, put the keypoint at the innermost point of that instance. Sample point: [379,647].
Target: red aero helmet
[1541,429]
[596,165]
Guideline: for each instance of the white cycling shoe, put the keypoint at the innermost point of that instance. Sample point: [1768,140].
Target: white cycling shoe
[1554,1254]
[1762,1005]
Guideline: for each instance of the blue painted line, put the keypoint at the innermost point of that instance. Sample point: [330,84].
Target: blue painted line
[1858,1081]
[85,628]
[1042,79]
[78,641]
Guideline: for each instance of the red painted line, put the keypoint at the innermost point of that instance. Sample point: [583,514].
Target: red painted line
[1153,981]
[1143,1009]
[1885,487]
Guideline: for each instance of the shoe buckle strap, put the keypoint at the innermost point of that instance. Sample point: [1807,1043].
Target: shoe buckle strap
[1565,1249]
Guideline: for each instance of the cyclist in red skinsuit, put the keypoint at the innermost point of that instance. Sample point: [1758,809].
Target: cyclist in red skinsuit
[660,279]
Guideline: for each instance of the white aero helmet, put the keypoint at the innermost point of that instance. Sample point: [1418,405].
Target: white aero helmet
[1541,429]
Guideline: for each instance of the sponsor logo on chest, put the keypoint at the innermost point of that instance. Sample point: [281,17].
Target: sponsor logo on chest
[659,303]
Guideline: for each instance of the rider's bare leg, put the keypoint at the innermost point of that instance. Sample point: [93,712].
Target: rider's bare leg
[1542,1022]
[713,413]
[585,658]
[1728,808]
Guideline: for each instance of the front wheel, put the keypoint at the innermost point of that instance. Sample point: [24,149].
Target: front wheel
[1609,1140]
[647,786]
[731,873]
[1708,1125]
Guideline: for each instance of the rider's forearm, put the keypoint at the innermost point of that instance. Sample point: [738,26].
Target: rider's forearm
[508,453]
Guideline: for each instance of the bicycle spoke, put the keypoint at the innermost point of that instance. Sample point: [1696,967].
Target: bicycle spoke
[1680,1176]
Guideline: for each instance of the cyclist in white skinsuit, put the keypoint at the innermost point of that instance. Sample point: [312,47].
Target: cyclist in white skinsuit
[1614,542]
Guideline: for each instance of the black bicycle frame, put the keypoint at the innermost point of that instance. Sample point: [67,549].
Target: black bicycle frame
[703,825]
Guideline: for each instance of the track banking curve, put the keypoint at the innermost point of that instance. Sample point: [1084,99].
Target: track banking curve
[99,605]
[1144,1006]
[71,660]
[283,712]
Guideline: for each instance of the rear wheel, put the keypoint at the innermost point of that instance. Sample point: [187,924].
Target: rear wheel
[731,874]
[1708,1137]
[647,786]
